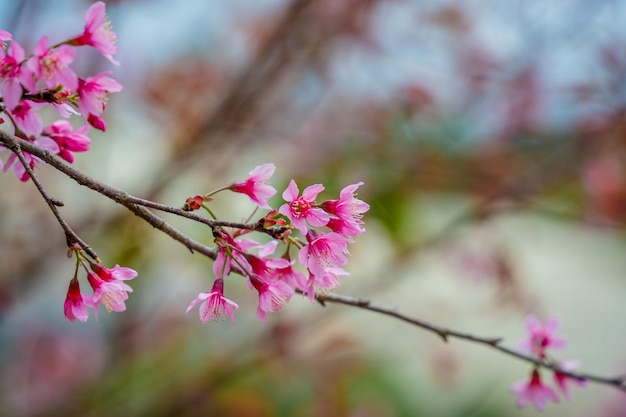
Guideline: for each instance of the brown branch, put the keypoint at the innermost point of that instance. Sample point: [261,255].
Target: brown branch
[618,382]
[71,237]
[138,207]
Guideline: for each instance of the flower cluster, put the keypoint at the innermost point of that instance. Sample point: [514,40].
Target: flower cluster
[326,228]
[542,337]
[108,287]
[30,82]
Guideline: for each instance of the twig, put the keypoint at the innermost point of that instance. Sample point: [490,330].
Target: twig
[138,207]
[618,382]
[70,236]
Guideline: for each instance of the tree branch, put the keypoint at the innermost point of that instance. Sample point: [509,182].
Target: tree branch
[618,382]
[138,207]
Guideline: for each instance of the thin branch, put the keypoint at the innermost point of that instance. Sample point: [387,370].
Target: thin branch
[618,382]
[119,196]
[70,236]
[138,207]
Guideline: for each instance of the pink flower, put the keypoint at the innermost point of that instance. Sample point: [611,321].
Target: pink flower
[563,380]
[76,303]
[323,251]
[98,32]
[541,337]
[348,210]
[5,36]
[67,140]
[108,286]
[93,95]
[533,391]
[27,120]
[301,210]
[14,75]
[117,273]
[264,267]
[214,304]
[52,65]
[272,296]
[256,186]
[328,280]
[292,277]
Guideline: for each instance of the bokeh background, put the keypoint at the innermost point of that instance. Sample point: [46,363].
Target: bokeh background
[491,137]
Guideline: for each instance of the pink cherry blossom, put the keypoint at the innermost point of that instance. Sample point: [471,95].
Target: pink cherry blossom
[323,251]
[68,140]
[264,267]
[27,120]
[256,186]
[109,286]
[5,36]
[328,280]
[112,294]
[272,295]
[214,304]
[562,381]
[533,391]
[52,65]
[93,96]
[292,277]
[301,210]
[76,303]
[14,75]
[117,273]
[541,337]
[348,210]
[98,32]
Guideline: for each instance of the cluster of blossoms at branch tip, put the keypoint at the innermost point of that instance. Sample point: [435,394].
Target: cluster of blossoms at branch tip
[542,337]
[326,228]
[30,82]
[108,285]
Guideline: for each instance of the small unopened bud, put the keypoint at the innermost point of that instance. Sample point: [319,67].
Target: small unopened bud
[193,203]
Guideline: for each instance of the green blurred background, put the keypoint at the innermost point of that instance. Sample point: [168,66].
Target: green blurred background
[491,137]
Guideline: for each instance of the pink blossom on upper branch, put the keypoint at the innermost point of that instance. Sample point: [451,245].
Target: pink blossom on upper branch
[98,32]
[300,210]
[214,304]
[256,186]
[541,336]
[533,391]
[93,96]
[348,211]
[76,303]
[14,75]
[52,65]
[323,251]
